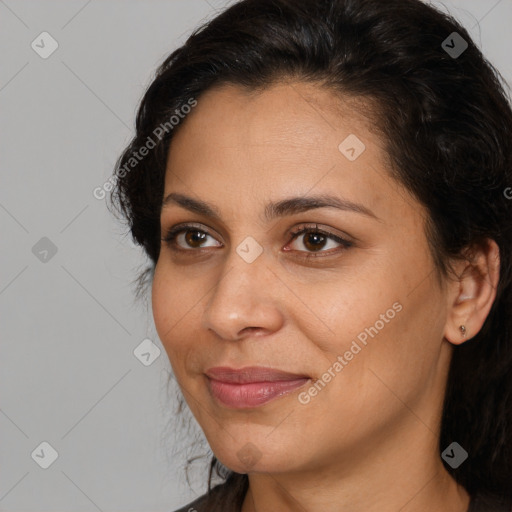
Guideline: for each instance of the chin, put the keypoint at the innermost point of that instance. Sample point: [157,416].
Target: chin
[252,462]
[257,454]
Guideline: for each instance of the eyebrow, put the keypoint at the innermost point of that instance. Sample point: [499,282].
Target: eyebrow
[273,210]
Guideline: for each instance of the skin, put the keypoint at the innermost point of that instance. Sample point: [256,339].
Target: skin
[368,441]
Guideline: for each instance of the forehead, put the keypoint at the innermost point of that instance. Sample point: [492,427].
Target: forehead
[299,124]
[288,113]
[288,138]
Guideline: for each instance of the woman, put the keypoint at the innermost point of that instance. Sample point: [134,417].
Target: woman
[323,189]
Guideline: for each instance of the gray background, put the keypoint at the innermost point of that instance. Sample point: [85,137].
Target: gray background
[69,323]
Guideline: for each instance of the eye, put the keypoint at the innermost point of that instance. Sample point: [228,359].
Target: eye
[191,238]
[315,239]
[187,235]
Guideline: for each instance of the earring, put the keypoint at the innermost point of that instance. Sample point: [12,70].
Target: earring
[463,330]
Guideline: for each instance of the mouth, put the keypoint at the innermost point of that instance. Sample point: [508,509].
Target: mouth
[251,387]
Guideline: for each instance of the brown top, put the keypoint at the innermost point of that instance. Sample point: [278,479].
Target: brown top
[478,503]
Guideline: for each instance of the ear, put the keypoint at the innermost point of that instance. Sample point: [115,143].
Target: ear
[471,295]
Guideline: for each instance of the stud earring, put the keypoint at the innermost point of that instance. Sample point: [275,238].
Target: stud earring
[463,330]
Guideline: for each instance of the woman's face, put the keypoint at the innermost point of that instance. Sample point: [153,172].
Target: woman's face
[364,320]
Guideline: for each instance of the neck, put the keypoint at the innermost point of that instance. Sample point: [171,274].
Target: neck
[438,492]
[412,479]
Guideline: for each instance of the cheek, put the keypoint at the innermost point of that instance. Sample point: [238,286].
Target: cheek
[161,303]
[378,376]
[399,361]
[356,307]
[385,335]
[172,311]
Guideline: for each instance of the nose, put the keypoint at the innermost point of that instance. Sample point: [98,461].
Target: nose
[244,301]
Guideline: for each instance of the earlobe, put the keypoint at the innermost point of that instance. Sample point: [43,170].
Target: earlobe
[471,296]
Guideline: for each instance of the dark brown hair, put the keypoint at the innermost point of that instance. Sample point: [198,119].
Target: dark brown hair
[446,122]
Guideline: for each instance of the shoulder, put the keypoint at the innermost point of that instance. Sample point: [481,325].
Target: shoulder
[194,506]
[199,504]
[484,503]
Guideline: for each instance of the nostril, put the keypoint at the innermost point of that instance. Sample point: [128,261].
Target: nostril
[255,330]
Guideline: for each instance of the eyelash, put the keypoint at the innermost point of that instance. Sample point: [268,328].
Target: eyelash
[172,233]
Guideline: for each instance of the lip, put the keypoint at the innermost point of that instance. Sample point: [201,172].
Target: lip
[250,374]
[251,386]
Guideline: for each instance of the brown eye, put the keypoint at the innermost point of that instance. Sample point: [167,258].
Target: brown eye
[314,240]
[194,238]
[186,238]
